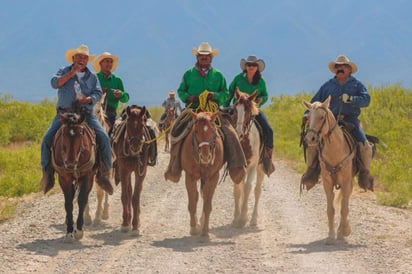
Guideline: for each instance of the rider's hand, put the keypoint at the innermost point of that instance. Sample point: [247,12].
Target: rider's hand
[210,96]
[192,99]
[346,98]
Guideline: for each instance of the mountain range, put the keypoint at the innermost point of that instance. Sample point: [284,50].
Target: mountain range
[154,40]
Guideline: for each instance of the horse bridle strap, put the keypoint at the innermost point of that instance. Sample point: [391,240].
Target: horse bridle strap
[331,129]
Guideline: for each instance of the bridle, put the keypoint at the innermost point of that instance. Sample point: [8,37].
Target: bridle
[198,145]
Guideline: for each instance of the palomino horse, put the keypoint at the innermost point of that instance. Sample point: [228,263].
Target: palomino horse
[102,209]
[131,150]
[245,109]
[336,154]
[202,158]
[167,125]
[73,157]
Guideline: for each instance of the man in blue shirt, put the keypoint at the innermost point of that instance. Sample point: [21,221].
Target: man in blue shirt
[64,81]
[348,96]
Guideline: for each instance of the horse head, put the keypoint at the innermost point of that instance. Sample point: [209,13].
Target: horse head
[245,109]
[135,126]
[321,121]
[204,136]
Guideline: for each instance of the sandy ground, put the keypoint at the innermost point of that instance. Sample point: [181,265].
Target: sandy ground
[289,238]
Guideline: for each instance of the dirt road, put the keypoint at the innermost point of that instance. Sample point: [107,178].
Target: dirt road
[289,237]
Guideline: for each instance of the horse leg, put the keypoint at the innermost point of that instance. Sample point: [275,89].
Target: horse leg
[105,215]
[207,194]
[81,202]
[126,199]
[86,215]
[136,203]
[193,197]
[166,141]
[328,187]
[68,191]
[237,195]
[99,208]
[344,229]
[258,192]
[247,187]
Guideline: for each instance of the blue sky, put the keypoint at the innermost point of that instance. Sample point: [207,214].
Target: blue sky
[154,39]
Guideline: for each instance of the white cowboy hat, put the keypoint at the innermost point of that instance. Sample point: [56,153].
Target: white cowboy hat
[104,55]
[172,93]
[206,49]
[342,60]
[252,59]
[82,49]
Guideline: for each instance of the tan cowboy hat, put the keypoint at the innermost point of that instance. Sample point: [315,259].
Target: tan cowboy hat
[206,49]
[82,49]
[252,59]
[172,93]
[104,55]
[342,60]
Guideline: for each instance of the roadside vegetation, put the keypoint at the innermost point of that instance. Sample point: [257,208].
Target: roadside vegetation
[389,117]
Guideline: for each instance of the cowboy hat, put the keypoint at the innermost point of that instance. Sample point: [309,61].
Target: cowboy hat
[206,49]
[82,49]
[252,59]
[104,55]
[172,93]
[342,60]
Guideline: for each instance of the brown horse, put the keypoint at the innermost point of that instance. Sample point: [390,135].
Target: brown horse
[102,209]
[336,154]
[131,150]
[245,109]
[73,157]
[167,125]
[202,158]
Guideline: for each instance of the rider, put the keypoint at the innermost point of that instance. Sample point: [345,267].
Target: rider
[64,81]
[111,85]
[169,102]
[203,77]
[248,81]
[348,95]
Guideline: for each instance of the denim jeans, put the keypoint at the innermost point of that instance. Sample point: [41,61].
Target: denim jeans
[102,140]
[266,128]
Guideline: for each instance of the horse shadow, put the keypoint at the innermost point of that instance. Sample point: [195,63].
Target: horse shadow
[188,243]
[319,246]
[229,231]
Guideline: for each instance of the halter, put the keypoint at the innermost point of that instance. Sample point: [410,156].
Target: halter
[211,143]
[331,129]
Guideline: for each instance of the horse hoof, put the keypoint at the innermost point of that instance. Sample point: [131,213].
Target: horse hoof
[135,232]
[330,241]
[78,234]
[194,230]
[204,238]
[69,238]
[125,228]
[97,222]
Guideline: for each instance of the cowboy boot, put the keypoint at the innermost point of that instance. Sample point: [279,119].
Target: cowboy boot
[47,180]
[365,180]
[268,165]
[103,180]
[311,177]
[174,170]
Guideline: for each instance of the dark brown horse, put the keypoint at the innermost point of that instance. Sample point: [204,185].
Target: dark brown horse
[202,158]
[131,150]
[245,109]
[73,157]
[167,125]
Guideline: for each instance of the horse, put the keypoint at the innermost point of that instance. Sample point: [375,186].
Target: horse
[102,209]
[336,152]
[202,158]
[132,152]
[244,111]
[74,158]
[167,125]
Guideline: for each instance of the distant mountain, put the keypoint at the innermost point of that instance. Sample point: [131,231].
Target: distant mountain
[154,39]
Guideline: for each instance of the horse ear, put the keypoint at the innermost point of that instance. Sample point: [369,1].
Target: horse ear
[194,114]
[214,115]
[143,111]
[237,92]
[307,104]
[253,96]
[128,110]
[327,101]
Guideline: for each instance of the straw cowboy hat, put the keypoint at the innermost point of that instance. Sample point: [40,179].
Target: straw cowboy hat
[104,55]
[172,93]
[252,59]
[82,49]
[206,49]
[342,60]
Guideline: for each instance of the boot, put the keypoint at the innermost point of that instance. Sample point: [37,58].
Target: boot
[311,177]
[47,181]
[174,170]
[103,180]
[365,180]
[268,165]
[152,159]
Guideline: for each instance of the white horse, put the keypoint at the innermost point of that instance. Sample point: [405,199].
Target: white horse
[244,110]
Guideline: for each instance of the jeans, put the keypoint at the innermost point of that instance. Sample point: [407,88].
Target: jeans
[357,132]
[266,128]
[102,140]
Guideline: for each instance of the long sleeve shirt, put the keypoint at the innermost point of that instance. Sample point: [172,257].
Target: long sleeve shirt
[242,83]
[354,88]
[113,82]
[66,95]
[193,83]
[172,102]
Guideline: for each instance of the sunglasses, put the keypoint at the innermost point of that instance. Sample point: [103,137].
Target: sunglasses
[251,65]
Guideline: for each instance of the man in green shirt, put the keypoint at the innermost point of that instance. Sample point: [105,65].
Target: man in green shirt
[203,77]
[112,85]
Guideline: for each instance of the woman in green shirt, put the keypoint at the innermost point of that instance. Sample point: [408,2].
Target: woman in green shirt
[249,80]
